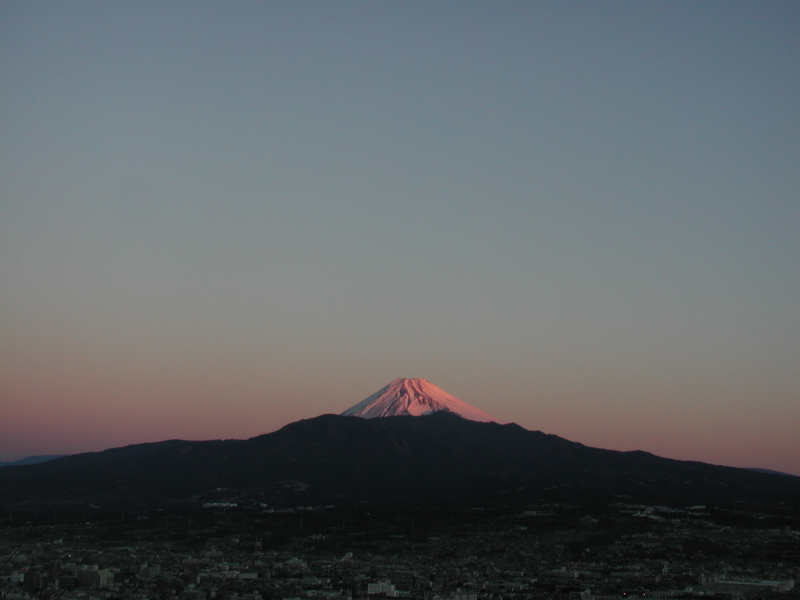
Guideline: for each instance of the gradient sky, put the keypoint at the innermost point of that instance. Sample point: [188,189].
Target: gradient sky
[218,218]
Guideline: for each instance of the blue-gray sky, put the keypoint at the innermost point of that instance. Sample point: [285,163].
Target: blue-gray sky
[217,218]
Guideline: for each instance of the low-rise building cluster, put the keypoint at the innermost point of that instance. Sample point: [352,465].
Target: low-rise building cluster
[535,554]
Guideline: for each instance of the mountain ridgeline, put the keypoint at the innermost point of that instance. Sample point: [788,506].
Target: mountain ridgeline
[438,458]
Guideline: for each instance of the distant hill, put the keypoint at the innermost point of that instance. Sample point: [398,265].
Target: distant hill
[31,460]
[438,458]
[772,472]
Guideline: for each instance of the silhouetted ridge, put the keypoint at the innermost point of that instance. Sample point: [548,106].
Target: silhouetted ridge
[437,458]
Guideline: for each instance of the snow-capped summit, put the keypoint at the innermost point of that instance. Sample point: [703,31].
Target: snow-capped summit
[414,397]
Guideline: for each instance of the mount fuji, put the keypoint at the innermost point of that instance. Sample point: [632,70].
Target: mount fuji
[415,398]
[413,444]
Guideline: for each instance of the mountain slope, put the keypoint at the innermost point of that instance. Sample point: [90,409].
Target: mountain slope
[31,460]
[431,459]
[414,398]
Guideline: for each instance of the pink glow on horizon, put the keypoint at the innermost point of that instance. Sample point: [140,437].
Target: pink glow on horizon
[97,417]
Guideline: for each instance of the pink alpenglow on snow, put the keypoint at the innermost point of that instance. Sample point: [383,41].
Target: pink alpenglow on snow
[414,397]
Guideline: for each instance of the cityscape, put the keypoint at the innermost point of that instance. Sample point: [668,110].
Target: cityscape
[228,551]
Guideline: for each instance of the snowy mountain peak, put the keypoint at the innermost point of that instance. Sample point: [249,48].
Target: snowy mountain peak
[414,397]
